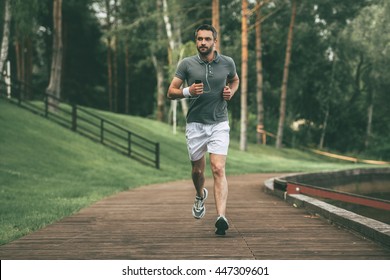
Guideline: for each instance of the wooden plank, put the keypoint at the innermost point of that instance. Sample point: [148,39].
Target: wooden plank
[155,222]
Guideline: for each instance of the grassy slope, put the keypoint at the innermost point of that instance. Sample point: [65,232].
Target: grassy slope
[48,172]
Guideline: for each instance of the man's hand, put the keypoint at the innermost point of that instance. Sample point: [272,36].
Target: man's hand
[227,93]
[196,89]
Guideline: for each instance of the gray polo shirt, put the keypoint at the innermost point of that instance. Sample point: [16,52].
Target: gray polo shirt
[210,107]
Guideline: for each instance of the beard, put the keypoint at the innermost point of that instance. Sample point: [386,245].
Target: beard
[205,50]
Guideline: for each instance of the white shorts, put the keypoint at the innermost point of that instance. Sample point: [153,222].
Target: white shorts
[202,138]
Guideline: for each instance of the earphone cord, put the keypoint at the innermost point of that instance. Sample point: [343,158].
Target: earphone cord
[207,81]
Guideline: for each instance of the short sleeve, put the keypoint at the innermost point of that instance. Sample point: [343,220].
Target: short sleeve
[181,70]
[232,68]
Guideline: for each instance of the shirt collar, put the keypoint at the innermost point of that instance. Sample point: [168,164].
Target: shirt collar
[216,59]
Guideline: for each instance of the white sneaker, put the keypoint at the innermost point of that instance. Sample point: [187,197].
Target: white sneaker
[198,209]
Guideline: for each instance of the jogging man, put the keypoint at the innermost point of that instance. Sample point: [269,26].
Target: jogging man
[211,80]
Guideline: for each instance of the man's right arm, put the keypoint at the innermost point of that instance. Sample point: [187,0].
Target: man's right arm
[174,90]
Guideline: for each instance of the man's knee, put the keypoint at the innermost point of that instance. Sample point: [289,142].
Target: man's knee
[198,169]
[217,163]
[197,172]
[218,169]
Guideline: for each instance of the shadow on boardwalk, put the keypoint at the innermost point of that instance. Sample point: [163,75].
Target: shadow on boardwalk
[155,222]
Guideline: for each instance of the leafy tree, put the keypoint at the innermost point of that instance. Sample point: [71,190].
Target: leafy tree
[366,42]
[84,74]
[25,36]
[54,87]
[6,34]
[338,73]
[244,76]
[282,110]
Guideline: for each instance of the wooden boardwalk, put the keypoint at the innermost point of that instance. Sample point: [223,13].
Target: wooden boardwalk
[155,222]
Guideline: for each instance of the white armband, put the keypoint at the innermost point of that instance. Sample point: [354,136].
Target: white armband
[186,92]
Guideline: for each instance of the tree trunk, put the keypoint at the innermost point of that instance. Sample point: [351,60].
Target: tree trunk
[115,74]
[215,22]
[158,66]
[244,76]
[328,104]
[260,136]
[24,53]
[324,126]
[115,58]
[18,58]
[183,101]
[109,57]
[370,111]
[6,34]
[29,67]
[282,109]
[109,74]
[160,87]
[19,52]
[54,87]
[173,45]
[127,78]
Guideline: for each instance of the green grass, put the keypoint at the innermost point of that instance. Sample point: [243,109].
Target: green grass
[48,172]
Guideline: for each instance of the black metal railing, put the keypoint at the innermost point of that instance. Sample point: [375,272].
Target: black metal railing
[87,123]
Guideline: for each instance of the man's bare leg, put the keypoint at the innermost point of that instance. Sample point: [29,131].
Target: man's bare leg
[217,163]
[198,168]
[199,209]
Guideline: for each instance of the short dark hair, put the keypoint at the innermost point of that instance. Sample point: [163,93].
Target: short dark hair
[207,27]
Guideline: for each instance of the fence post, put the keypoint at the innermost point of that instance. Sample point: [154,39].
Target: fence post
[74,117]
[46,105]
[158,155]
[129,143]
[19,95]
[101,130]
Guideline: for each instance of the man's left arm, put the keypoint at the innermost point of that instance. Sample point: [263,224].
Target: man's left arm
[231,88]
